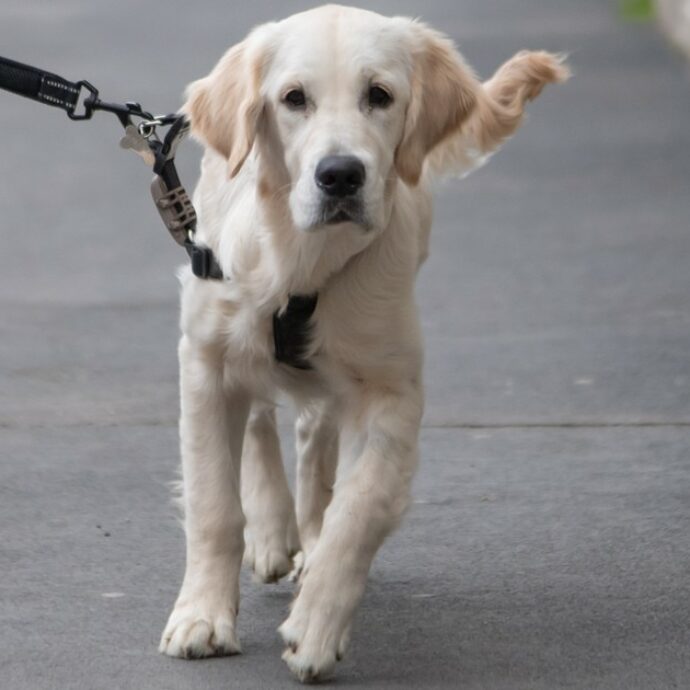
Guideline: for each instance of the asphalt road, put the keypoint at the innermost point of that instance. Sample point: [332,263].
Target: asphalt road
[548,545]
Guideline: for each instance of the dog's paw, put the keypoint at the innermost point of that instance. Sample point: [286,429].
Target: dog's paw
[297,567]
[269,555]
[267,564]
[314,643]
[308,662]
[194,631]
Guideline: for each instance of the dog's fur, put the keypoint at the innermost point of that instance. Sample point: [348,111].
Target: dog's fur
[263,215]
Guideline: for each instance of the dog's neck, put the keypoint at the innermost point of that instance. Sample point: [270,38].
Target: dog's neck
[303,262]
[251,232]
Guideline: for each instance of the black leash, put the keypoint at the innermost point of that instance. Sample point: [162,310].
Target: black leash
[80,101]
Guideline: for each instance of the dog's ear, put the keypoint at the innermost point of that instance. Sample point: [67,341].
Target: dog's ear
[447,100]
[503,97]
[444,94]
[225,107]
[499,110]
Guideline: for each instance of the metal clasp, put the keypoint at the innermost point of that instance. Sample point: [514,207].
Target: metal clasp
[148,127]
[89,101]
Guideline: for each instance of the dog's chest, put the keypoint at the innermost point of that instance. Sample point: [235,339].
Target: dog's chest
[285,332]
[247,334]
[268,342]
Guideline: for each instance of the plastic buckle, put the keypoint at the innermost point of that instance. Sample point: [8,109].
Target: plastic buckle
[175,208]
[88,102]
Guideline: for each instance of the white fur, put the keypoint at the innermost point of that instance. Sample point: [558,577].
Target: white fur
[361,406]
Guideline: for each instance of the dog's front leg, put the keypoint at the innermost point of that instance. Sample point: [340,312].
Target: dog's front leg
[371,492]
[271,534]
[316,432]
[212,425]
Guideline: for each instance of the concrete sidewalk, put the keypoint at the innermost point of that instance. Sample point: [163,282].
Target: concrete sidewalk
[548,545]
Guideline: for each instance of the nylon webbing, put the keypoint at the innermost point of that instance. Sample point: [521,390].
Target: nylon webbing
[38,85]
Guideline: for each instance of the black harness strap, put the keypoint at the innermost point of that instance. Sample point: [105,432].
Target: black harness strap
[292,330]
[291,326]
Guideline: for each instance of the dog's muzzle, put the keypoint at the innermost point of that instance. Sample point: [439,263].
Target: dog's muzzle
[340,179]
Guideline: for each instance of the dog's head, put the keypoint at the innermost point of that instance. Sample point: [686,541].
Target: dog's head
[338,104]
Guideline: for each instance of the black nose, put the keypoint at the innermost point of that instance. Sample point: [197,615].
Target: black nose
[340,175]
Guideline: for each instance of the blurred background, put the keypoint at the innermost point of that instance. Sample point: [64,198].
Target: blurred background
[547,545]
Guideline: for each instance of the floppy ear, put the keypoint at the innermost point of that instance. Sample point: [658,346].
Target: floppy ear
[499,110]
[505,95]
[224,108]
[444,93]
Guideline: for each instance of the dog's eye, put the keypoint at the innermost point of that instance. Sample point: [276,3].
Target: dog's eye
[295,98]
[379,97]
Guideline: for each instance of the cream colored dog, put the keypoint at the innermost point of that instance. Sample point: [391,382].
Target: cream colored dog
[323,133]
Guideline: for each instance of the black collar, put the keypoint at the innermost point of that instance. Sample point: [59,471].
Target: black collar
[203,262]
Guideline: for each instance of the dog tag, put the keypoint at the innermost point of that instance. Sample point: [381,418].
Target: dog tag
[133,140]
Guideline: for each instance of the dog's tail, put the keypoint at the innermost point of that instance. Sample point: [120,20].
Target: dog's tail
[498,112]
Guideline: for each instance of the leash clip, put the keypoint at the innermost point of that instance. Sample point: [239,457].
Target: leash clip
[147,128]
[89,102]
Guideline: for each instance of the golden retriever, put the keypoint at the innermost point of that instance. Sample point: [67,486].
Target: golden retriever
[322,135]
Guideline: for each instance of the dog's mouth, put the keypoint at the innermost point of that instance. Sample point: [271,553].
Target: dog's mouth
[341,216]
[342,211]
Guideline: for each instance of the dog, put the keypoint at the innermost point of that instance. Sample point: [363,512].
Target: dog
[322,133]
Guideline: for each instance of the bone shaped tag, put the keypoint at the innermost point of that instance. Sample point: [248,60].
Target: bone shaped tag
[133,140]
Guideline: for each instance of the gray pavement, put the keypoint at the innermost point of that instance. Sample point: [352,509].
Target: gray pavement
[548,544]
